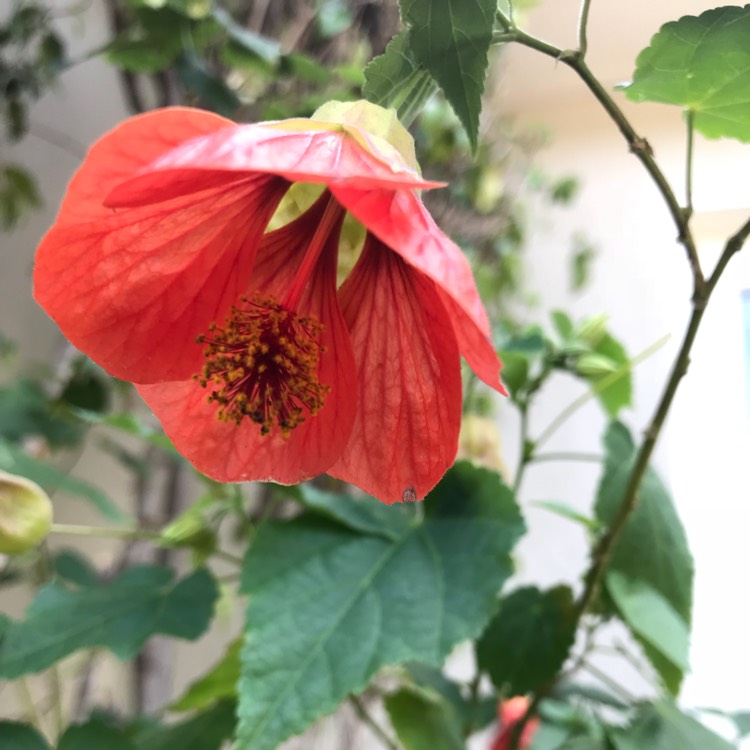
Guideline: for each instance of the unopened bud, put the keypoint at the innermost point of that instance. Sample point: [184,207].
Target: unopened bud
[592,330]
[25,514]
[595,365]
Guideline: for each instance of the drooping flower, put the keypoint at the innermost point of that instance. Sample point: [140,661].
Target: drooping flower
[509,713]
[197,259]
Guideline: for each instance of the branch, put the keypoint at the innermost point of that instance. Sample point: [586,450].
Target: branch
[638,146]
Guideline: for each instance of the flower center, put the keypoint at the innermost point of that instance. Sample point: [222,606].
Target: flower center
[264,365]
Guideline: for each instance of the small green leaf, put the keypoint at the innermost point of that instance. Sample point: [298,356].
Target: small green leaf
[651,616]
[120,615]
[262,47]
[333,596]
[17,736]
[701,63]
[94,734]
[451,38]
[529,638]
[424,721]
[618,394]
[390,72]
[209,87]
[73,567]
[653,546]
[563,324]
[219,682]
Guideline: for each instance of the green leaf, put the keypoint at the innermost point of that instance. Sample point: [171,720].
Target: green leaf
[424,721]
[652,547]
[17,736]
[550,737]
[701,63]
[529,638]
[262,47]
[618,394]
[208,730]
[651,616]
[219,682]
[741,720]
[94,734]
[26,411]
[120,616]
[73,567]
[451,38]
[662,726]
[330,604]
[390,72]
[50,477]
[563,324]
[209,87]
[360,514]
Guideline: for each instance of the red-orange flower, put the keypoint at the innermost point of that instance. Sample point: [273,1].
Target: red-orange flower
[162,267]
[509,713]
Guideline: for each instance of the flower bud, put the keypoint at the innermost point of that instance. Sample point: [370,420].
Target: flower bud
[595,365]
[592,330]
[25,514]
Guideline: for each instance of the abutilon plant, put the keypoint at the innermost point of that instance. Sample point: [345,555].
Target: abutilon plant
[197,258]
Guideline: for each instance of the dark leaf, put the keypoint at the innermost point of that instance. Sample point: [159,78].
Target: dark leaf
[528,640]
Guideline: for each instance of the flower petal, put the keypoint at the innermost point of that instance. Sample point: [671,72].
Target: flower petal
[129,147]
[312,155]
[405,433]
[231,453]
[133,288]
[402,222]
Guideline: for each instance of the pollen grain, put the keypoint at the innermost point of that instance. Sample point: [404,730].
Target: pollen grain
[263,364]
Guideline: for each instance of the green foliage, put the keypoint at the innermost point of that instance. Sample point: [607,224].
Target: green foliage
[451,39]
[120,615]
[653,547]
[651,616]
[388,76]
[220,682]
[329,597]
[701,63]
[424,720]
[18,195]
[662,726]
[31,55]
[17,736]
[95,733]
[529,638]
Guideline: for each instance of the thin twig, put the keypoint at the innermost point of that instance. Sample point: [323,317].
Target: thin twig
[689,164]
[594,458]
[602,385]
[639,146]
[583,20]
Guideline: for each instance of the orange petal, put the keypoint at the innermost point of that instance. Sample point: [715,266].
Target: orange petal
[129,147]
[232,453]
[405,433]
[134,287]
[319,156]
[402,222]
